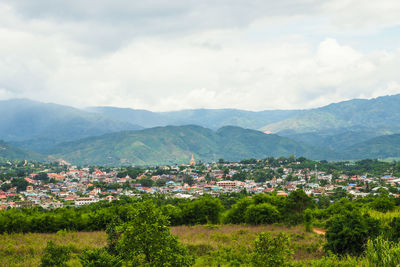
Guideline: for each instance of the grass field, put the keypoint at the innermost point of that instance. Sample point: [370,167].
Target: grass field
[205,242]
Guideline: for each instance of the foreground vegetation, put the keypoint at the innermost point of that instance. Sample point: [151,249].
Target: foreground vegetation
[209,244]
[139,235]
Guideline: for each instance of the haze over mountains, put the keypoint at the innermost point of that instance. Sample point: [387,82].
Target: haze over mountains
[209,118]
[353,129]
[175,144]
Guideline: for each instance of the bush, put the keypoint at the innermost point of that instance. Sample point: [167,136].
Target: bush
[383,204]
[55,255]
[308,218]
[271,251]
[99,258]
[394,229]
[348,232]
[261,214]
[235,214]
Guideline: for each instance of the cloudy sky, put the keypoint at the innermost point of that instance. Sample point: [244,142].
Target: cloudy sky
[178,54]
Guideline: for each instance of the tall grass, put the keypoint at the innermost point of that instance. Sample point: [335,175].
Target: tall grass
[211,244]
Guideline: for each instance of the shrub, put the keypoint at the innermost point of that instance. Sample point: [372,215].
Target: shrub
[55,255]
[261,214]
[99,258]
[271,251]
[394,229]
[383,204]
[348,232]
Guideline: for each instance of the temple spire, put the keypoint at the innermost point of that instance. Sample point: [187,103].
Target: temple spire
[192,162]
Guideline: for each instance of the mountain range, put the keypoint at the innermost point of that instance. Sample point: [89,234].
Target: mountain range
[347,130]
[37,126]
[176,144]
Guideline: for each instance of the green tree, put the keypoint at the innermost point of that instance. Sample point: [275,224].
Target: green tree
[236,213]
[383,204]
[20,183]
[263,213]
[147,182]
[271,251]
[348,232]
[42,176]
[202,211]
[145,239]
[161,182]
[188,180]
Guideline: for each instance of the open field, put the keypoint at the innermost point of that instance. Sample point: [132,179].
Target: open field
[205,242]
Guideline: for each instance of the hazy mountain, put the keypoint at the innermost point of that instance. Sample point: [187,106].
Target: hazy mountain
[36,125]
[387,146]
[175,144]
[337,140]
[10,152]
[380,114]
[209,118]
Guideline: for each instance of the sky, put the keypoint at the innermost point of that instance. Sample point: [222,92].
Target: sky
[164,55]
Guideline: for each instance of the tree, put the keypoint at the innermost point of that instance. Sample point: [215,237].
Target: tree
[298,201]
[145,239]
[383,204]
[20,183]
[202,211]
[42,176]
[261,214]
[348,232]
[55,255]
[271,251]
[235,214]
[188,180]
[5,187]
[147,182]
[161,182]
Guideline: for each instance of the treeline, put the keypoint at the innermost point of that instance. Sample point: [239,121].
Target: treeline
[234,209]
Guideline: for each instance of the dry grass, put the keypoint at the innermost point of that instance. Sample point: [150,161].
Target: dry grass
[27,249]
[306,245]
[384,217]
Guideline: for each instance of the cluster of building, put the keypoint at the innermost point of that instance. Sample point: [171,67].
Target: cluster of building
[77,187]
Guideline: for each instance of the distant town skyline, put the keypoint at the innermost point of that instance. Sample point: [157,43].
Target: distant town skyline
[173,55]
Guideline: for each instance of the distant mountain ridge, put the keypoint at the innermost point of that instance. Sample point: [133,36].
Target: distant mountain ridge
[381,113]
[35,125]
[175,144]
[209,118]
[351,129]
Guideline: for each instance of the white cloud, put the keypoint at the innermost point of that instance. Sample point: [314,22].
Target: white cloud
[192,54]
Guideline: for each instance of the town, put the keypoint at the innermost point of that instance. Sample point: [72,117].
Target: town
[59,184]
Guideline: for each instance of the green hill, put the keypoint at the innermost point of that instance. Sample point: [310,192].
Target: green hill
[175,144]
[378,114]
[335,141]
[387,146]
[10,152]
[36,126]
